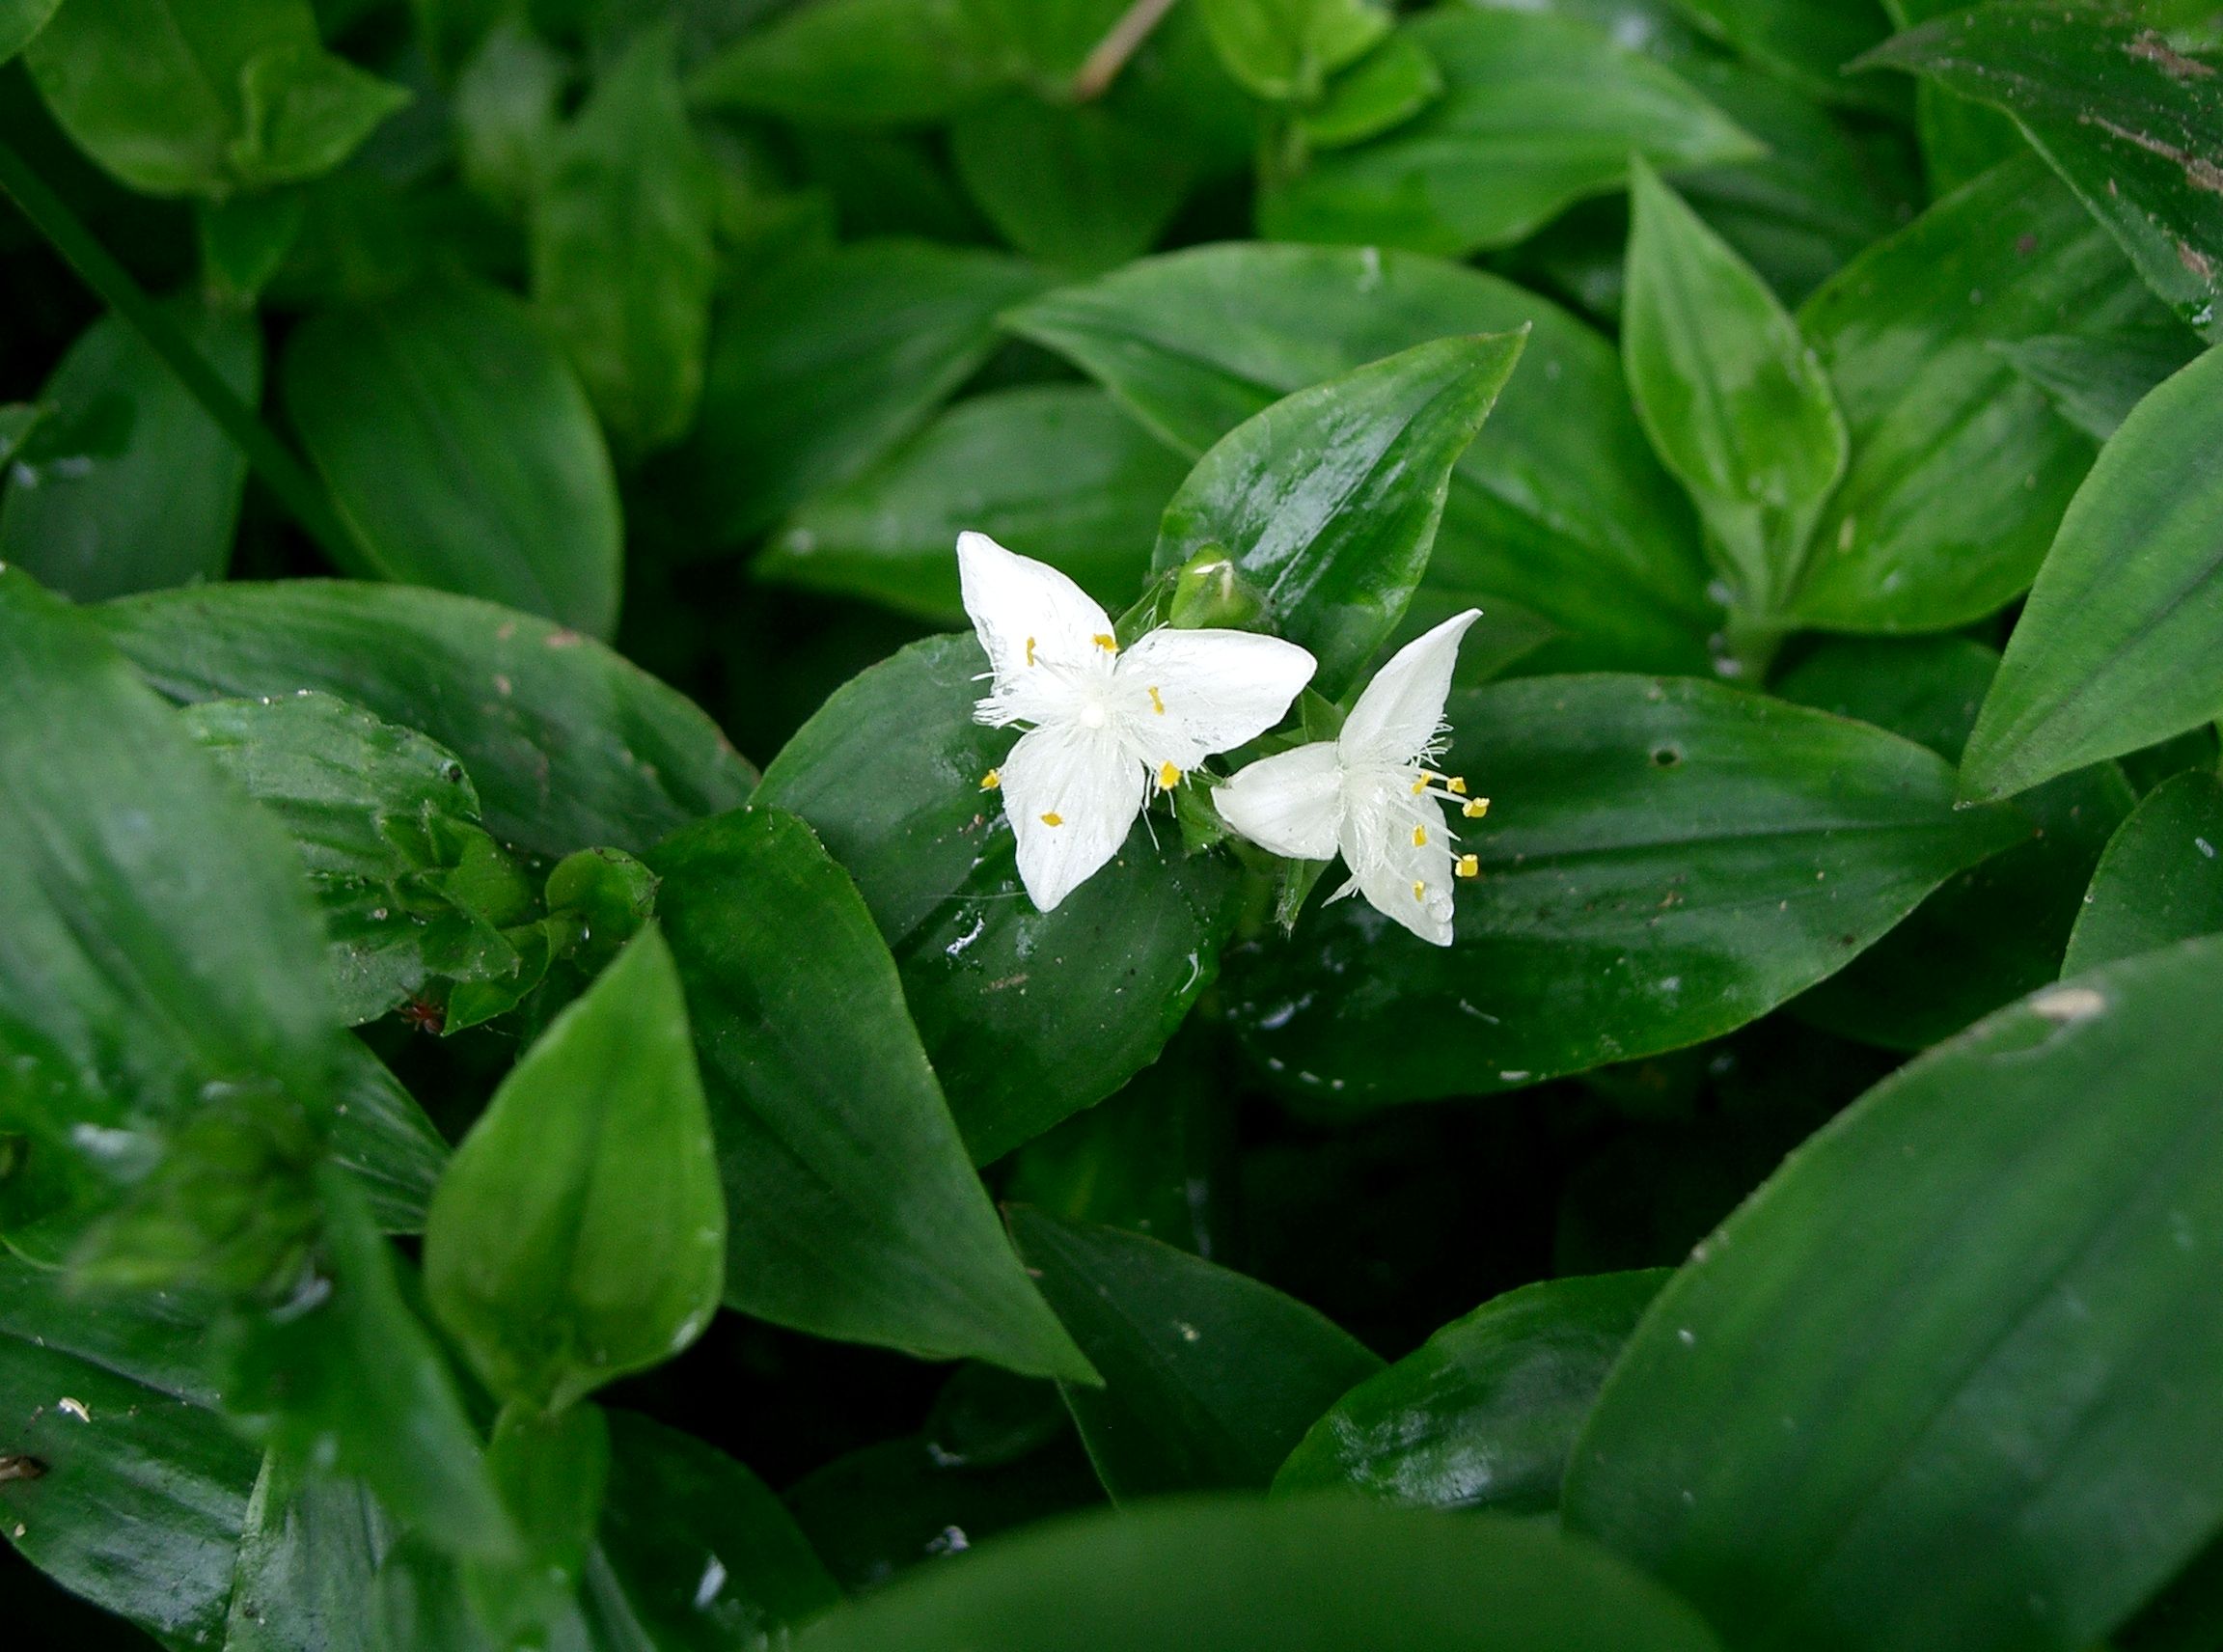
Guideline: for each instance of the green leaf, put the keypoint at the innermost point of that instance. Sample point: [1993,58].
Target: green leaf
[308,1555]
[1665,860]
[2135,127]
[1283,50]
[1959,470]
[857,62]
[1537,113]
[1383,90]
[127,485]
[20,21]
[1210,1378]
[1057,471]
[1237,1575]
[505,114]
[178,98]
[1027,1017]
[2112,651]
[1484,1414]
[568,744]
[1808,42]
[243,242]
[1559,507]
[580,1232]
[1330,498]
[854,1211]
[621,255]
[1926,1387]
[2159,880]
[459,444]
[1734,401]
[1083,186]
[822,366]
[381,1137]
[2094,380]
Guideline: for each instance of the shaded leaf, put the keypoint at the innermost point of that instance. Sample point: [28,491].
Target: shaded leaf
[2159,880]
[857,62]
[2094,380]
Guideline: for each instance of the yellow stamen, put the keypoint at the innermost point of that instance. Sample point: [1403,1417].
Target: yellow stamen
[1053,819]
[1169,776]
[1419,837]
[1156,704]
[1109,645]
[1457,783]
[992,778]
[1419,890]
[1469,865]
[1475,810]
[1029,650]
[1420,785]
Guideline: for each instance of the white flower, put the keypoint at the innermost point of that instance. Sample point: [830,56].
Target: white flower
[1370,793]
[1111,726]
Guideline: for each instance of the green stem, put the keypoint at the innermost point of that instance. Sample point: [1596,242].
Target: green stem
[286,476]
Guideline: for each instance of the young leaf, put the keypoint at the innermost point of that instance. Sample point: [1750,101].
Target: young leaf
[460,446]
[1666,860]
[580,1232]
[855,1212]
[1944,1380]
[1383,90]
[2160,880]
[1027,1017]
[2134,127]
[127,485]
[2114,650]
[1537,113]
[1283,50]
[568,744]
[1209,1378]
[1484,1414]
[1232,1576]
[1329,498]
[505,114]
[1734,402]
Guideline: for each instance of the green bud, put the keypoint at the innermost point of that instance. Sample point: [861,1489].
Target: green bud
[1210,590]
[612,893]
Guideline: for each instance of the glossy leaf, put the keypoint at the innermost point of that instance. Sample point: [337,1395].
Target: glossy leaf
[2094,380]
[1559,506]
[580,1231]
[1510,144]
[854,1212]
[308,1557]
[1234,1576]
[1056,472]
[125,484]
[857,62]
[567,744]
[1328,500]
[1665,862]
[1733,398]
[1484,1414]
[459,447]
[1959,470]
[1806,41]
[2134,127]
[2111,651]
[2159,881]
[621,248]
[1942,1382]
[382,1138]
[1210,1378]
[1027,1017]
[822,366]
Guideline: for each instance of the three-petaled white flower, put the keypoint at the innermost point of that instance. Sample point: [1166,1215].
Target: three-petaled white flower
[1110,725]
[1370,793]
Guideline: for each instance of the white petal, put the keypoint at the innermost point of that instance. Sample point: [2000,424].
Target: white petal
[1403,706]
[1071,793]
[1189,694]
[1289,804]
[1410,882]
[1014,601]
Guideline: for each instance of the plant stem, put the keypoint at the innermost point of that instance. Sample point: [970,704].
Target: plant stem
[286,476]
[1111,53]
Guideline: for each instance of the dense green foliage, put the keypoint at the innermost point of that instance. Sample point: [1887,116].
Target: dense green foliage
[569,1083]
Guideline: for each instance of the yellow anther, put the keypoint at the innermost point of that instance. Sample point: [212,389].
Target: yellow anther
[1029,650]
[1169,776]
[1420,785]
[1457,783]
[1419,837]
[1156,704]
[992,778]
[1109,645]
[1419,890]
[1053,819]
[1469,865]
[1475,810]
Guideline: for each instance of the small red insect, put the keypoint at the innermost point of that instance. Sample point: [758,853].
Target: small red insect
[424,1014]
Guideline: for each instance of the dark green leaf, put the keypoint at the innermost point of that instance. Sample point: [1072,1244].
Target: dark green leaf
[1081,186]
[857,62]
[820,368]
[2094,379]
[1537,113]
[1054,471]
[382,1138]
[569,744]
[1383,90]
[1311,1576]
[854,1212]
[1484,1414]
[2135,127]
[1943,1381]
[1210,1378]
[1027,1017]
[2159,880]
[580,1232]
[243,242]
[127,485]
[1285,49]
[1329,498]
[1559,506]
[20,21]
[2113,650]
[621,255]
[461,450]
[307,1558]
[505,108]
[1665,860]
[1807,42]
[1959,470]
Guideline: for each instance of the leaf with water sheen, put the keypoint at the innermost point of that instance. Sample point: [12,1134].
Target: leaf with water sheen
[2161,878]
